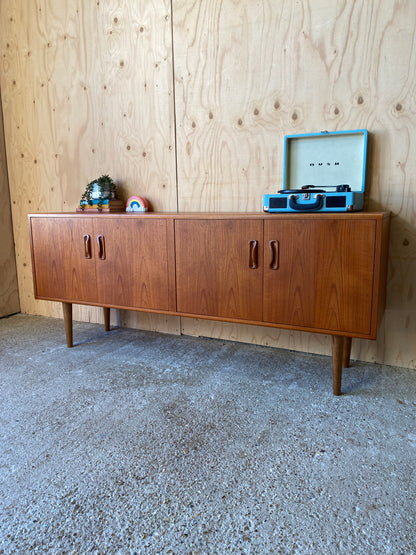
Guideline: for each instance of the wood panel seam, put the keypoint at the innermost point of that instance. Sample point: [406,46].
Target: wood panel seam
[174,106]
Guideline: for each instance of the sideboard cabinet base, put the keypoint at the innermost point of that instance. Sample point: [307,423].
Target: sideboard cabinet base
[320,273]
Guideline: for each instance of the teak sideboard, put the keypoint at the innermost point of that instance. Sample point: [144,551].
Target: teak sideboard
[320,273]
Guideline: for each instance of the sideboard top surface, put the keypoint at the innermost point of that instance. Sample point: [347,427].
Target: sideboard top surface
[216,215]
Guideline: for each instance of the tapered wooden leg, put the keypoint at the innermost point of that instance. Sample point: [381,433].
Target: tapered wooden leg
[67,309]
[337,354]
[347,352]
[106,318]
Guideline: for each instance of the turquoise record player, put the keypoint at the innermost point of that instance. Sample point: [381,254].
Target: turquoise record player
[323,172]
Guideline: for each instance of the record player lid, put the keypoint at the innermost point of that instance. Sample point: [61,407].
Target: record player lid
[325,159]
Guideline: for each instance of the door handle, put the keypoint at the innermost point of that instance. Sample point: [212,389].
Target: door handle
[274,247]
[101,247]
[87,246]
[253,257]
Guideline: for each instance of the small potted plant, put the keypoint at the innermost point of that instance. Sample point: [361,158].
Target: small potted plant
[98,192]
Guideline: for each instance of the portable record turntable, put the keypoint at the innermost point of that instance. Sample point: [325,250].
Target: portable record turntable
[323,172]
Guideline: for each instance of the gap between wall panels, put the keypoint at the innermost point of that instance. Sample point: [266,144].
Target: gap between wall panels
[174,105]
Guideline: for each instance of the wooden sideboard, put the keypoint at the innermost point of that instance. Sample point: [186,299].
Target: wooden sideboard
[320,273]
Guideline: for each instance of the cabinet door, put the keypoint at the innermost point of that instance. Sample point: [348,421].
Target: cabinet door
[63,259]
[319,273]
[219,268]
[133,262]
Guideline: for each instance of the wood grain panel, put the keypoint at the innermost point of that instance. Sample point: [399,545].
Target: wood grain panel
[325,270]
[219,268]
[134,269]
[248,74]
[64,258]
[9,292]
[245,76]
[88,90]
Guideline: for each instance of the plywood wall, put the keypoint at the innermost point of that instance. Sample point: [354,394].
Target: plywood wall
[87,90]
[107,87]
[248,73]
[9,293]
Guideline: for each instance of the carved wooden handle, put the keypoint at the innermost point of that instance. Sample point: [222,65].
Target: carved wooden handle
[274,247]
[87,246]
[253,259]
[101,247]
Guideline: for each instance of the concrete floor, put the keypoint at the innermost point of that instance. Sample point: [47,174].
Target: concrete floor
[138,442]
